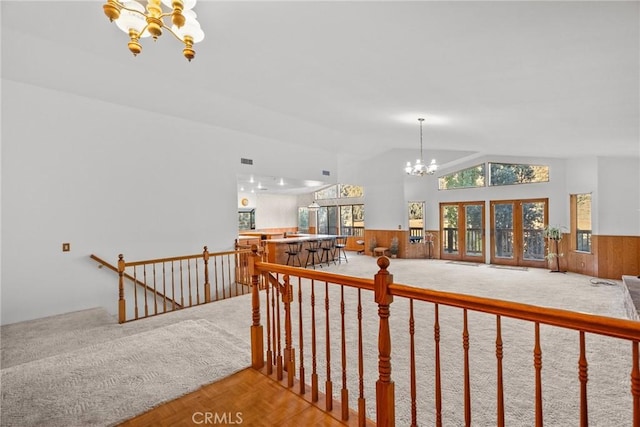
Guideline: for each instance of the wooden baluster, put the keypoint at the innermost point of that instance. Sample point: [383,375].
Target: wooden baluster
[301,338]
[236,281]
[500,386]
[257,349]
[314,372]
[467,385]
[197,282]
[343,345]
[229,275]
[362,408]
[274,333]
[385,393]
[278,348]
[583,367]
[189,282]
[173,286]
[155,291]
[328,382]
[412,365]
[635,383]
[135,292]
[269,333]
[146,302]
[181,286]
[164,287]
[436,338]
[215,268]
[122,306]
[537,363]
[207,285]
[287,298]
[224,287]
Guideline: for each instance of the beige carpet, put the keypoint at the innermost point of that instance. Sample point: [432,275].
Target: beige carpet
[59,361]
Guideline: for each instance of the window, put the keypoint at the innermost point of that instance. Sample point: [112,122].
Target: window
[347,190]
[465,178]
[352,220]
[328,220]
[341,191]
[581,221]
[416,222]
[509,174]
[303,220]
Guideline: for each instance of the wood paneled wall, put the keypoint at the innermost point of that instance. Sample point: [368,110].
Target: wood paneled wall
[611,257]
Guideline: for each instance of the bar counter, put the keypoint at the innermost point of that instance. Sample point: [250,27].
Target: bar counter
[276,248]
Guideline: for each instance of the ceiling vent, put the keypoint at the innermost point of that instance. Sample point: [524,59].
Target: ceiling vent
[326,173]
[246,161]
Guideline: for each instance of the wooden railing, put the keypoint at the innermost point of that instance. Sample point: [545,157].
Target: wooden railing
[167,284]
[321,321]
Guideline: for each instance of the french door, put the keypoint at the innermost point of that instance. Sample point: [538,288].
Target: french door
[517,232]
[462,231]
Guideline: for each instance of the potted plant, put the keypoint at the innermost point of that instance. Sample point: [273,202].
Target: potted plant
[553,236]
[393,247]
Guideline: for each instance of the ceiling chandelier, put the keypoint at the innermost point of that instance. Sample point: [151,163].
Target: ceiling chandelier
[419,168]
[138,22]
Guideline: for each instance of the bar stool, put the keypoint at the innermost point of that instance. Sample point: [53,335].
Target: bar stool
[293,253]
[341,243]
[312,252]
[328,251]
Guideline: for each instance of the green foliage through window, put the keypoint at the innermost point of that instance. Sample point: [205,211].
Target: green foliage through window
[465,178]
[508,174]
[340,191]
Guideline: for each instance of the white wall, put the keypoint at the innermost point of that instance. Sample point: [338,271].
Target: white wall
[276,211]
[108,180]
[618,204]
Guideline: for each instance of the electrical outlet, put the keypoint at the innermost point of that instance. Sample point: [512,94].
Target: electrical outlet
[66,247]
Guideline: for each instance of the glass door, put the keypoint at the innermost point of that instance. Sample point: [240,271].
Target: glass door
[517,232]
[462,230]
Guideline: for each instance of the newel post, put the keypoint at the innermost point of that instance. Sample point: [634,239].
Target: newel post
[385,392]
[257,343]
[122,310]
[207,285]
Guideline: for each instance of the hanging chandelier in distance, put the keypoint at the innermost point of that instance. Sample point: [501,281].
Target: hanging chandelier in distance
[420,168]
[138,22]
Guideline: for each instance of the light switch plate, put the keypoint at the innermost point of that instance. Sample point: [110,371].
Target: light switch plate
[66,247]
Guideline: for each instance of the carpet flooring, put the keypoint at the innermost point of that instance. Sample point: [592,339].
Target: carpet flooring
[84,369]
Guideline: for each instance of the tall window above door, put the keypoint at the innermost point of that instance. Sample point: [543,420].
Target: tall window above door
[581,222]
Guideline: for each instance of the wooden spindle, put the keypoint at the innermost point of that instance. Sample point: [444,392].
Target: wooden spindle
[229,276]
[173,286]
[207,285]
[122,306]
[301,339]
[257,349]
[328,383]
[412,365]
[287,298]
[362,409]
[385,394]
[438,385]
[583,376]
[277,331]
[215,268]
[189,282]
[537,363]
[343,347]
[500,385]
[197,282]
[269,332]
[274,333]
[146,294]
[467,385]
[164,287]
[314,372]
[635,383]
[155,291]
[181,285]
[135,292]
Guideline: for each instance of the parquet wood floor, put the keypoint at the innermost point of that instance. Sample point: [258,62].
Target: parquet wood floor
[247,398]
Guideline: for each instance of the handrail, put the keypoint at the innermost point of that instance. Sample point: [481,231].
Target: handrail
[592,323]
[177,258]
[134,280]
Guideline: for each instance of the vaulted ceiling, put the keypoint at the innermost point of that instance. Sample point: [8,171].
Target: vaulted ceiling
[537,78]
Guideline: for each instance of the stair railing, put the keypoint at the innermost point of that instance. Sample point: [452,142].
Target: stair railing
[166,284]
[297,322]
